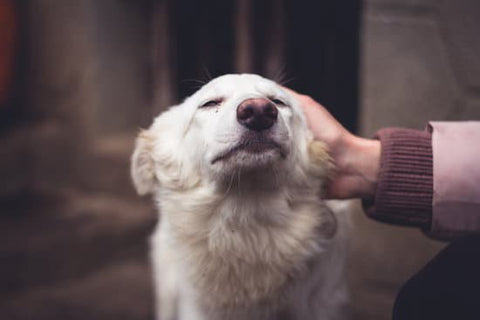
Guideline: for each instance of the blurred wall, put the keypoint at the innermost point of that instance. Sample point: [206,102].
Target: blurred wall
[419,62]
[74,234]
[88,75]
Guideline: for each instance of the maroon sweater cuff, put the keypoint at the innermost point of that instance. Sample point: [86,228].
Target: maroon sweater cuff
[405,183]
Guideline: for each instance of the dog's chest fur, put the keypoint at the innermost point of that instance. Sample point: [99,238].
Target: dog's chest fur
[246,249]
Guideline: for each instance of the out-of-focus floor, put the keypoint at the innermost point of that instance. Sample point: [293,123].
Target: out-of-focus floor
[77,254]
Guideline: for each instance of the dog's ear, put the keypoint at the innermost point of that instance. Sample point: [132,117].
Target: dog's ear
[320,161]
[318,154]
[142,167]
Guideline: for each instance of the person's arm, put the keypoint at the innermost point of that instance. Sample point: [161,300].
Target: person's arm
[456,178]
[392,173]
[429,179]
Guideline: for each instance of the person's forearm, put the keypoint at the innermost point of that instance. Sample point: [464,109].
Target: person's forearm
[392,175]
[404,188]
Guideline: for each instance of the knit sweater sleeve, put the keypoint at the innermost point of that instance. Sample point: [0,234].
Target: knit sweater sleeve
[405,183]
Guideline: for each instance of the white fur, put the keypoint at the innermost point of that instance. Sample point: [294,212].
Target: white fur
[247,237]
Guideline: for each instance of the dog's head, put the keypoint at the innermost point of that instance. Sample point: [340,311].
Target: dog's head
[234,125]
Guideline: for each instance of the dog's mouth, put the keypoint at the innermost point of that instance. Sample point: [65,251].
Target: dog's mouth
[255,146]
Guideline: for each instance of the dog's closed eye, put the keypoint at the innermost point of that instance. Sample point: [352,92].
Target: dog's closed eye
[278,102]
[212,103]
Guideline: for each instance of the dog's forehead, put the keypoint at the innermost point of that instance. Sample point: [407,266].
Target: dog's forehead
[238,84]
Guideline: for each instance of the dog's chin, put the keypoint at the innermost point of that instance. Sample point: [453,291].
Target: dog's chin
[248,158]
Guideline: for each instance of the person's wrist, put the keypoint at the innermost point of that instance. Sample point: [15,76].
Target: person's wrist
[359,160]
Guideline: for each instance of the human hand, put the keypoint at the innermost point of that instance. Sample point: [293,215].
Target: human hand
[357,160]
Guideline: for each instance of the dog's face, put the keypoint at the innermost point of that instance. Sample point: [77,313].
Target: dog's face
[245,123]
[233,124]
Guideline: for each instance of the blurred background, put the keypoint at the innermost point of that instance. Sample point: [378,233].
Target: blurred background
[78,78]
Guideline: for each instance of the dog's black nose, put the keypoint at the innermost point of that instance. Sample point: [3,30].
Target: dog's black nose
[257,114]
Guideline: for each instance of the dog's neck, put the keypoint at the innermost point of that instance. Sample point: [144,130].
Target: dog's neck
[247,197]
[249,236]
[244,198]
[261,180]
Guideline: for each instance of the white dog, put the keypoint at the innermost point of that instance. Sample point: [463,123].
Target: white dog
[244,233]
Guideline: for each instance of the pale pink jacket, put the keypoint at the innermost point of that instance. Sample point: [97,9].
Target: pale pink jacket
[430,179]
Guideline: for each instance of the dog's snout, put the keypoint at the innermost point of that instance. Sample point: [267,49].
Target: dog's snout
[257,114]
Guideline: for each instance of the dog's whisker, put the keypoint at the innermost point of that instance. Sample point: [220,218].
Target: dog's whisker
[287,81]
[193,80]
[280,75]
[207,73]
[197,84]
